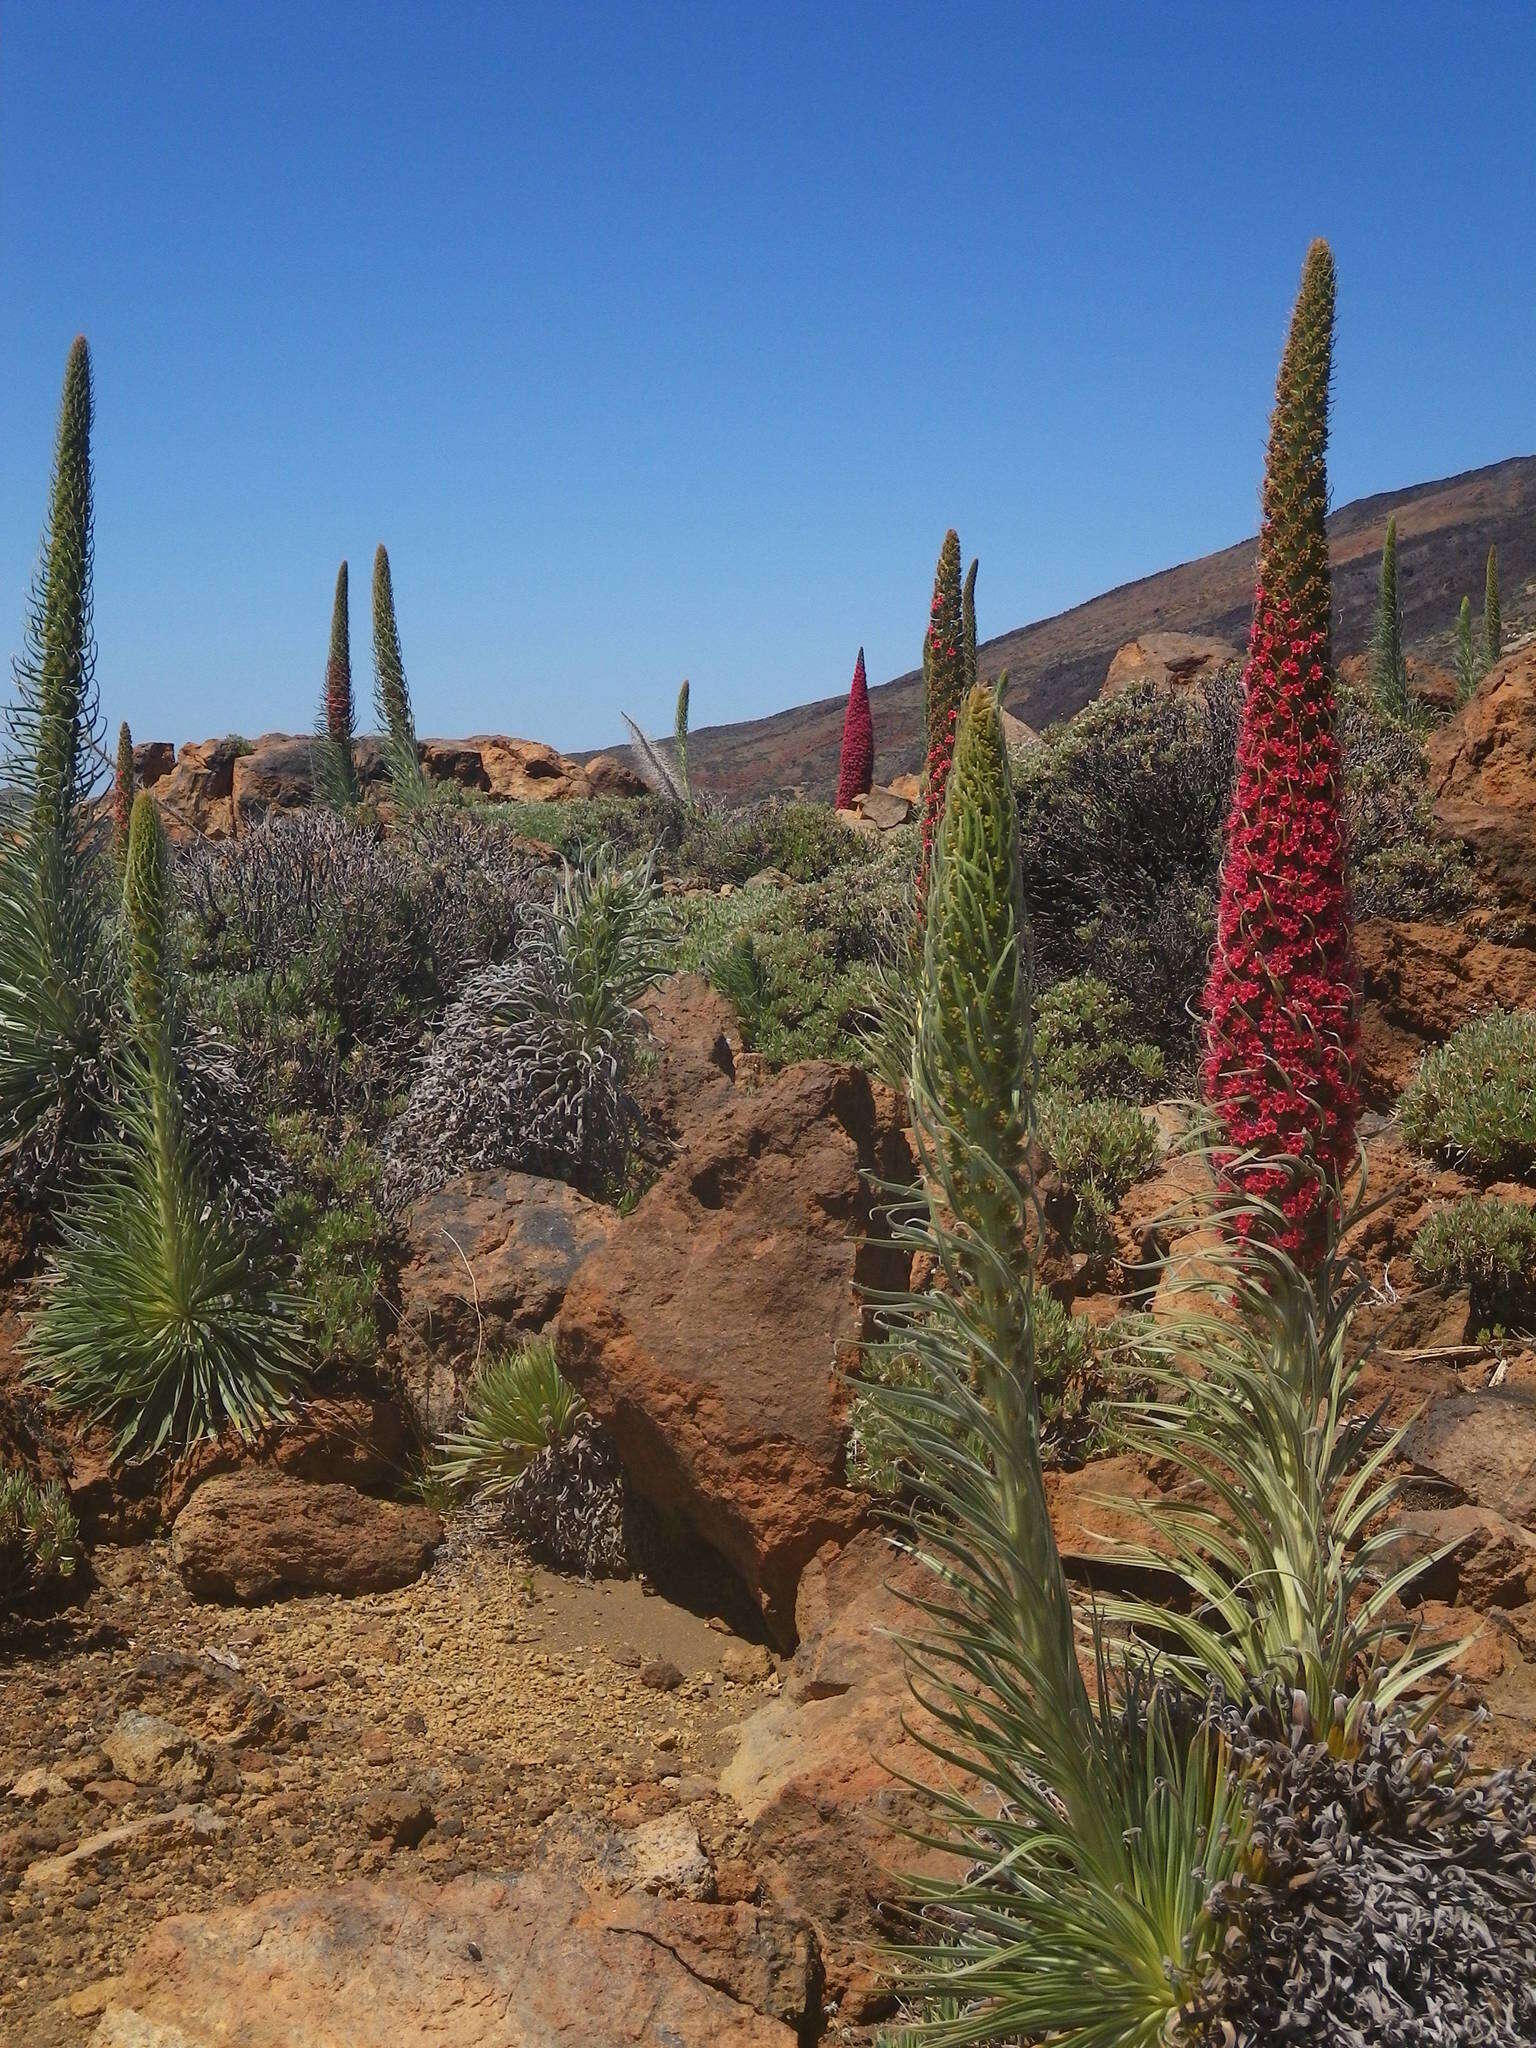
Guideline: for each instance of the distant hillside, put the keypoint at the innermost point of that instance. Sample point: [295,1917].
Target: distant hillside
[1444,532]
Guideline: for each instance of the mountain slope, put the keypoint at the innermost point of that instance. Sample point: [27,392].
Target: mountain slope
[1056,665]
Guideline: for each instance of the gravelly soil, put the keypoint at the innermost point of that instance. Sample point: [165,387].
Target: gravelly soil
[494,1701]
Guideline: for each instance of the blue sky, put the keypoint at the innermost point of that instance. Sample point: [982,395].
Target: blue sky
[668,340]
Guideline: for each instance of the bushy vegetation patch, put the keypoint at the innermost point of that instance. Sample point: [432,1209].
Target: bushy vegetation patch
[1086,1044]
[1472,1101]
[322,945]
[1120,818]
[532,1066]
[1401,866]
[1100,1149]
[799,963]
[1488,1246]
[39,1538]
[330,1217]
[702,845]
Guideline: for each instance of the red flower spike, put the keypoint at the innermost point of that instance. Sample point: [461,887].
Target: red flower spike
[856,765]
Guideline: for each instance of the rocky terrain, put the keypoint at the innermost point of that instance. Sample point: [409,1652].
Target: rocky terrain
[306,1752]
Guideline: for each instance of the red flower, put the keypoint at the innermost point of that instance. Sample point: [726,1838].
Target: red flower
[856,766]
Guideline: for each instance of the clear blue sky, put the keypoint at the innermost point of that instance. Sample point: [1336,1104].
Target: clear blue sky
[660,340]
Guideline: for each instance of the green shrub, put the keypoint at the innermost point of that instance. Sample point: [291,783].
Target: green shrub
[1472,1101]
[329,1222]
[39,1537]
[520,1404]
[703,847]
[1100,1149]
[1488,1246]
[1401,865]
[1085,1044]
[160,1315]
[816,951]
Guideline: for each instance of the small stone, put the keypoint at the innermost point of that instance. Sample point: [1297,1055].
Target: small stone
[399,1819]
[660,1675]
[38,1784]
[377,1748]
[745,1663]
[87,1898]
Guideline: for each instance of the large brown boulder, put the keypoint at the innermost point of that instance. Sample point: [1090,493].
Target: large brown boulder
[257,1534]
[488,1259]
[483,1962]
[1482,767]
[1422,981]
[1166,661]
[712,1335]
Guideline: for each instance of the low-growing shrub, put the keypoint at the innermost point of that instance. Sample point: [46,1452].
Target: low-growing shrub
[800,963]
[1086,1044]
[706,846]
[1120,819]
[329,1221]
[1401,866]
[531,1068]
[1100,1149]
[1472,1101]
[1488,1246]
[39,1537]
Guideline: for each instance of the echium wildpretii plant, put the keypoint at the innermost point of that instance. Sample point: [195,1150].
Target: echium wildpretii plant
[333,755]
[1493,616]
[1465,657]
[680,735]
[1092,1829]
[1389,670]
[122,793]
[1281,999]
[53,1005]
[943,687]
[391,697]
[968,628]
[856,761]
[158,1315]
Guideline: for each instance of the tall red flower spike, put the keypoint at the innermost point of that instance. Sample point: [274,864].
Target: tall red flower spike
[1282,998]
[856,764]
[943,685]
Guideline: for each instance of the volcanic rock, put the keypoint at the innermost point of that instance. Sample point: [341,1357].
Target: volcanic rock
[256,1534]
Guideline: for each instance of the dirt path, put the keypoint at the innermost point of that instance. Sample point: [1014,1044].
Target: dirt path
[475,1721]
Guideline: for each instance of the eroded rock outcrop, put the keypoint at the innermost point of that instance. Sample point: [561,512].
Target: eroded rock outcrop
[483,1962]
[488,1259]
[712,1335]
[1482,767]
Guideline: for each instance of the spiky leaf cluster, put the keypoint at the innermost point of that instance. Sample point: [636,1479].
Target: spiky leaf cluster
[158,1316]
[531,1068]
[1282,995]
[1389,1896]
[39,1537]
[391,697]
